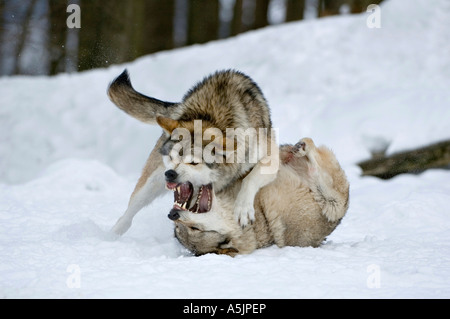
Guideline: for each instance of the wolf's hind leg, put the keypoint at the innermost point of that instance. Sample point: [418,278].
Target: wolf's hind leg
[327,180]
[150,186]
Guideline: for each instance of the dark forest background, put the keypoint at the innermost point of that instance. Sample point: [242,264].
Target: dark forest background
[35,40]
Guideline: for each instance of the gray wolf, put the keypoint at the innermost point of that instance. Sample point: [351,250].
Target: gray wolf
[302,206]
[222,101]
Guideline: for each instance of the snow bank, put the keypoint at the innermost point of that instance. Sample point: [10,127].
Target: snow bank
[69,160]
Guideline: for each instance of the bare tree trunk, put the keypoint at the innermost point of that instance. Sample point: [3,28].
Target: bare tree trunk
[57,36]
[203,21]
[103,38]
[116,31]
[295,10]
[23,36]
[413,161]
[158,30]
[319,8]
[261,10]
[236,24]
[2,20]
[358,6]
[2,36]
[329,7]
[117,22]
[88,49]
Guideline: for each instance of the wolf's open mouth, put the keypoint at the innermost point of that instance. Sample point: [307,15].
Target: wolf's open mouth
[183,197]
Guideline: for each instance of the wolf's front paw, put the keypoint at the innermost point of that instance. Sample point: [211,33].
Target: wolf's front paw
[304,146]
[244,211]
[122,225]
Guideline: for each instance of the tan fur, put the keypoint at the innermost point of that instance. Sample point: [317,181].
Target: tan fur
[153,162]
[302,206]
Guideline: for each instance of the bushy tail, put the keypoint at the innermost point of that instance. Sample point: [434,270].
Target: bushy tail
[139,106]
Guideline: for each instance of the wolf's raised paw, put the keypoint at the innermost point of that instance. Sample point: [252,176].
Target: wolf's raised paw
[304,146]
[244,212]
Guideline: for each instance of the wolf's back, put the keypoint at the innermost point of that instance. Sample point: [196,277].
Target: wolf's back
[227,99]
[138,105]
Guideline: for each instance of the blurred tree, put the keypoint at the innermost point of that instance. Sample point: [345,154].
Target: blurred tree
[261,12]
[119,31]
[358,6]
[101,38]
[116,31]
[249,15]
[57,36]
[23,36]
[295,10]
[2,19]
[236,24]
[158,30]
[329,7]
[148,26]
[203,21]
[2,34]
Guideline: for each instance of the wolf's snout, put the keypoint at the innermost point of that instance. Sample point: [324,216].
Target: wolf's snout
[171,175]
[174,214]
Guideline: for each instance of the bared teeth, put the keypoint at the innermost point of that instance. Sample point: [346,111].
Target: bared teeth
[194,209]
[183,198]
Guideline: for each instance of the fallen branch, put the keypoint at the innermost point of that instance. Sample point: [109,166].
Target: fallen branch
[413,161]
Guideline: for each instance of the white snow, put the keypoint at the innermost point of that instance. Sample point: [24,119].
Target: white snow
[69,160]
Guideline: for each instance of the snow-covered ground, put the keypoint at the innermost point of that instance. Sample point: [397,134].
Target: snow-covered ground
[69,161]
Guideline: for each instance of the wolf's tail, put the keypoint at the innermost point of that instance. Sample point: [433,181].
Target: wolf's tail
[142,107]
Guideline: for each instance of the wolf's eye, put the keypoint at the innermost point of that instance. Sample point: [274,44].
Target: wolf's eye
[193,163]
[194,228]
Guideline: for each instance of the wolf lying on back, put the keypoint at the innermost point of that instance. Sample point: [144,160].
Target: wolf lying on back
[226,99]
[301,207]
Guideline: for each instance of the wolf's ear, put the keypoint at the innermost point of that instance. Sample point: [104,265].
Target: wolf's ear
[167,124]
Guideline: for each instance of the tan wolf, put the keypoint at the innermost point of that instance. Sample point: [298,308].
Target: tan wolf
[222,101]
[302,206]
